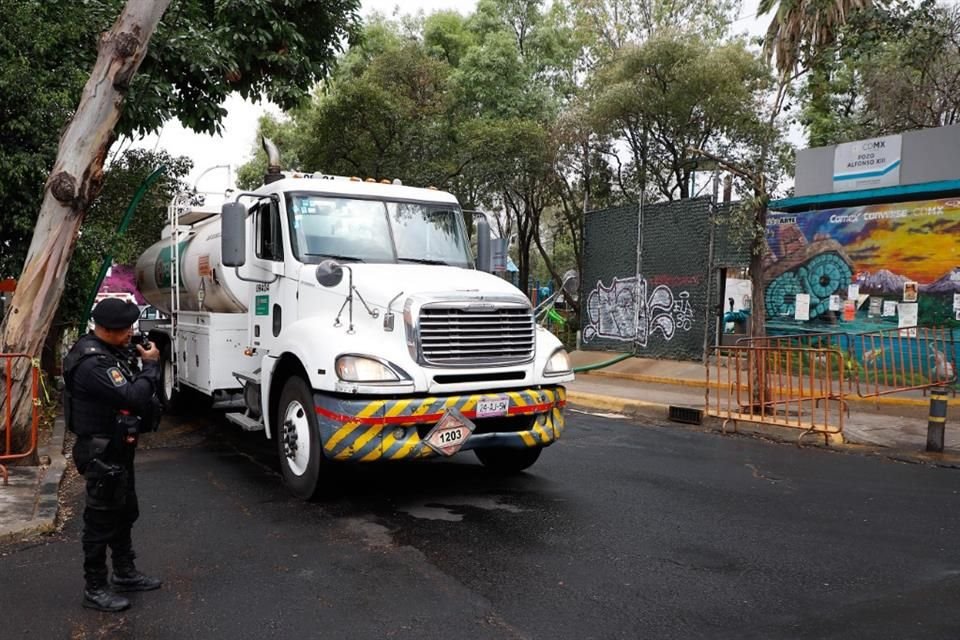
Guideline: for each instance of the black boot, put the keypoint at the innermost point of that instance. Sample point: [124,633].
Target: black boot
[127,578]
[97,596]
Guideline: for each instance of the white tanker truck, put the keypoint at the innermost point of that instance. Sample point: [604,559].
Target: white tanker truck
[347,320]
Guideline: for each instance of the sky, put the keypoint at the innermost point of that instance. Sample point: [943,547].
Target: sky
[217,158]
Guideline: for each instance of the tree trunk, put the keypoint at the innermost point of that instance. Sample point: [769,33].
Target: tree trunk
[758,306]
[73,185]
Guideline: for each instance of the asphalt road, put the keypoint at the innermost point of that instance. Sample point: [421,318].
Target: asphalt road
[621,530]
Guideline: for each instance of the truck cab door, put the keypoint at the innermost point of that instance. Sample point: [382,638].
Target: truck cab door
[266,310]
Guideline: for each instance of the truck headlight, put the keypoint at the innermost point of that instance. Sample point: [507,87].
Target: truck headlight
[558,364]
[354,368]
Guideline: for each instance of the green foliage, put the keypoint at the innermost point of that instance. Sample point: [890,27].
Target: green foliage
[201,52]
[99,235]
[257,48]
[618,23]
[41,77]
[893,67]
[674,93]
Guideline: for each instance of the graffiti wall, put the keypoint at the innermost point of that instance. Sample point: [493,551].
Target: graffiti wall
[864,267]
[623,311]
[660,311]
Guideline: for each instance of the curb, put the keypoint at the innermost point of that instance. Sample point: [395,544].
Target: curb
[48,504]
[659,411]
[702,384]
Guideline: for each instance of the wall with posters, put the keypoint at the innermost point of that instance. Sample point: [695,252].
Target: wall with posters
[865,266]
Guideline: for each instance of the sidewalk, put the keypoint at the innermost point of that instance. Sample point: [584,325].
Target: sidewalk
[892,425]
[29,503]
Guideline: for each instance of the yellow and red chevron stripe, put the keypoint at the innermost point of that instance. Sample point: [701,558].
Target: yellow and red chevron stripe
[368,430]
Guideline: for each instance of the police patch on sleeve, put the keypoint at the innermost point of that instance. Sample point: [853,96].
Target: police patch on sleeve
[116,377]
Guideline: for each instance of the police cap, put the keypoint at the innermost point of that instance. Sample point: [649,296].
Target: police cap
[114,313]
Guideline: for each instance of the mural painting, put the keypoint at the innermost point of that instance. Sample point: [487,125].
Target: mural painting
[613,312]
[865,260]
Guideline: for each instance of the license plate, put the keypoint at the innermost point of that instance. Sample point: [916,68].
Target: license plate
[493,407]
[450,432]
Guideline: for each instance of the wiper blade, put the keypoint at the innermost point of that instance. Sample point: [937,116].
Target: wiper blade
[337,257]
[424,261]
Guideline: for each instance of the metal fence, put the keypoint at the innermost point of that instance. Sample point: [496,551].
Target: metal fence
[795,387]
[879,363]
[7,363]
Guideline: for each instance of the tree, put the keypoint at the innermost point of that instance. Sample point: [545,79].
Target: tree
[892,68]
[800,37]
[674,93]
[618,23]
[277,59]
[122,179]
[40,80]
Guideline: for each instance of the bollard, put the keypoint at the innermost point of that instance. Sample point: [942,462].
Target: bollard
[937,420]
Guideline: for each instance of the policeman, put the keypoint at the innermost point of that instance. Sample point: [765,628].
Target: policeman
[107,405]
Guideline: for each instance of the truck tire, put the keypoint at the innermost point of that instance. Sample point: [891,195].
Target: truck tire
[508,461]
[298,439]
[171,398]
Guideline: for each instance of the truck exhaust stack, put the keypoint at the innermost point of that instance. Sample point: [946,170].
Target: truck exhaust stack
[273,161]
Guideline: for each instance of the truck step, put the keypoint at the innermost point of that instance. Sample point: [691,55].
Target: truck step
[245,422]
[229,403]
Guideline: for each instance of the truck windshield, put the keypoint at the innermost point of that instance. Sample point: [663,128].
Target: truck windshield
[376,231]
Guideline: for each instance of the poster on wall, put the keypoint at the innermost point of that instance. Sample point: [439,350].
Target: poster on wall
[853,292]
[876,307]
[889,308]
[867,164]
[802,307]
[907,312]
[897,251]
[909,291]
[834,303]
[956,302]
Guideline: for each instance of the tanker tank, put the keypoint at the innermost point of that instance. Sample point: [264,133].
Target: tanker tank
[201,273]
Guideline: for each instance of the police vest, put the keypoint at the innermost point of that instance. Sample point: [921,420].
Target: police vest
[85,416]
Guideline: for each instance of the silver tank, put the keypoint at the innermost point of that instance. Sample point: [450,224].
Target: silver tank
[202,276]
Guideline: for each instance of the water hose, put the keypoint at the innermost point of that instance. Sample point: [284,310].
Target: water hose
[601,365]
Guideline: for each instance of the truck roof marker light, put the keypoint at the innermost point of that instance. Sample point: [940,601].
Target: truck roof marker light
[397,181]
[432,188]
[355,179]
[385,181]
[370,180]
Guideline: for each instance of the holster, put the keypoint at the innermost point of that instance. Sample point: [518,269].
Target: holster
[106,481]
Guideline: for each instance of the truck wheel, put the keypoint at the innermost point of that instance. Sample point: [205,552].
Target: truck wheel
[171,398]
[298,439]
[508,460]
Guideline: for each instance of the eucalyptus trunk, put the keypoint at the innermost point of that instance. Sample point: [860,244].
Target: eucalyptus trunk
[73,185]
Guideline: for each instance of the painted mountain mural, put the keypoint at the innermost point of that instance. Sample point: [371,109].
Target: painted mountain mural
[883,282]
[879,247]
[950,283]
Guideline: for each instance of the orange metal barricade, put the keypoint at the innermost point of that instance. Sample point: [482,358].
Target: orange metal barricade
[792,387]
[6,366]
[823,340]
[897,360]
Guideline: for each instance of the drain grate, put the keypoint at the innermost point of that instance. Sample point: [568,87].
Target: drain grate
[685,415]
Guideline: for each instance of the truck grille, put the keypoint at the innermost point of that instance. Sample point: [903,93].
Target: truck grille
[462,337]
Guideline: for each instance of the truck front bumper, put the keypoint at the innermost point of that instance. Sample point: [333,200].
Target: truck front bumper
[365,430]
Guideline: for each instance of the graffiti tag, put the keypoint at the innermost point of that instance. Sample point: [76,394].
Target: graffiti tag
[614,314]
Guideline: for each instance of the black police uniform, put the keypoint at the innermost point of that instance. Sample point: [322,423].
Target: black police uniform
[107,405]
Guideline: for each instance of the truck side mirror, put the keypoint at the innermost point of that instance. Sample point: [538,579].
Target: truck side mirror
[233,234]
[483,244]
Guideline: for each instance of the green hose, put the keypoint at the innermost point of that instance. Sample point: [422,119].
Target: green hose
[601,365]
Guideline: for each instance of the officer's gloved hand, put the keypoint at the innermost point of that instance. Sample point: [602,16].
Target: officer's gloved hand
[152,353]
